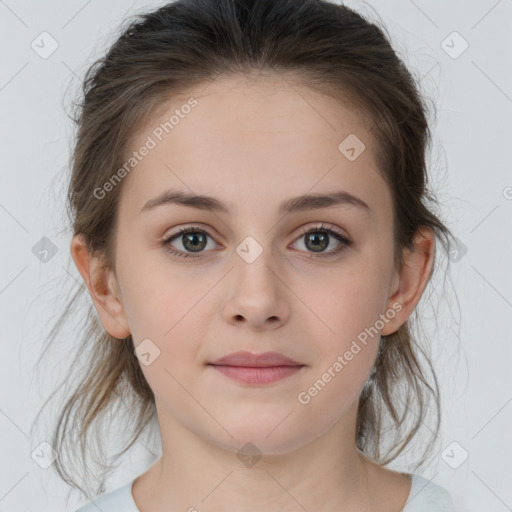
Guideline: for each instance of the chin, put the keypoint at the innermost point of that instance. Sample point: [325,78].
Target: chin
[265,437]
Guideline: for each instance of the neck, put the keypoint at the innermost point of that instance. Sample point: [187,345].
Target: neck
[196,474]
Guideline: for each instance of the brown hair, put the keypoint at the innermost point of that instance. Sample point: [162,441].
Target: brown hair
[327,47]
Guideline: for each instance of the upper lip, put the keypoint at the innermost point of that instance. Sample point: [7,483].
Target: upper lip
[266,359]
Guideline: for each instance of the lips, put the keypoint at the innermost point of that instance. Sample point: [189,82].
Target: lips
[256,369]
[249,360]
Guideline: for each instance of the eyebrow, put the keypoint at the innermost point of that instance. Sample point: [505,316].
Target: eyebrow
[297,204]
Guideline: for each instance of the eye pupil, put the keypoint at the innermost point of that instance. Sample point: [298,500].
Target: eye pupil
[193,239]
[320,242]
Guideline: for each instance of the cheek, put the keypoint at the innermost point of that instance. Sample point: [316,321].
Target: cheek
[349,303]
[349,306]
[165,322]
[160,300]
[164,313]
[346,350]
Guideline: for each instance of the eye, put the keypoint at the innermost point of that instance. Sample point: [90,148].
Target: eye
[194,240]
[191,238]
[318,239]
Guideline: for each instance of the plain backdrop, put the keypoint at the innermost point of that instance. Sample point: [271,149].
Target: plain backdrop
[461,53]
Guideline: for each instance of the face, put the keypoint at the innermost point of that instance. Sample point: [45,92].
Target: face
[309,283]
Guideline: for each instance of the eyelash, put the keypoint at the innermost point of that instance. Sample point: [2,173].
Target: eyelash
[345,242]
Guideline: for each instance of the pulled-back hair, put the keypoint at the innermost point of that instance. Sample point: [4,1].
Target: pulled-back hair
[325,46]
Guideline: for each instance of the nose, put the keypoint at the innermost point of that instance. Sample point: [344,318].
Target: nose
[256,292]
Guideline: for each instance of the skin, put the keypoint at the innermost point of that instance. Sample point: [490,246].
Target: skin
[254,144]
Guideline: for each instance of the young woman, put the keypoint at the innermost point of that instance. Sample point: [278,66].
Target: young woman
[250,213]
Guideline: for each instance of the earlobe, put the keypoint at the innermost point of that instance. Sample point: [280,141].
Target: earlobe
[411,280]
[102,287]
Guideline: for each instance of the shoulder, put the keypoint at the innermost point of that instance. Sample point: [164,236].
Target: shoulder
[118,500]
[426,496]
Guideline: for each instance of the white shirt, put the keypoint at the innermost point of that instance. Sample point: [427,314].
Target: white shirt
[425,496]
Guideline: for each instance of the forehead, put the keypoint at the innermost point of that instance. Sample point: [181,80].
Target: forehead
[246,138]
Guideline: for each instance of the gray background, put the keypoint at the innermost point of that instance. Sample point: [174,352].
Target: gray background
[471,173]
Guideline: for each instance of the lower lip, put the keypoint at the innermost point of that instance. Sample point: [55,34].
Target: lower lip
[259,375]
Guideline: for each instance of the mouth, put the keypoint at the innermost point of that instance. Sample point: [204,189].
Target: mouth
[256,369]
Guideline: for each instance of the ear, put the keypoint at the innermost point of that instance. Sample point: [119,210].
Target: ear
[410,281]
[103,287]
